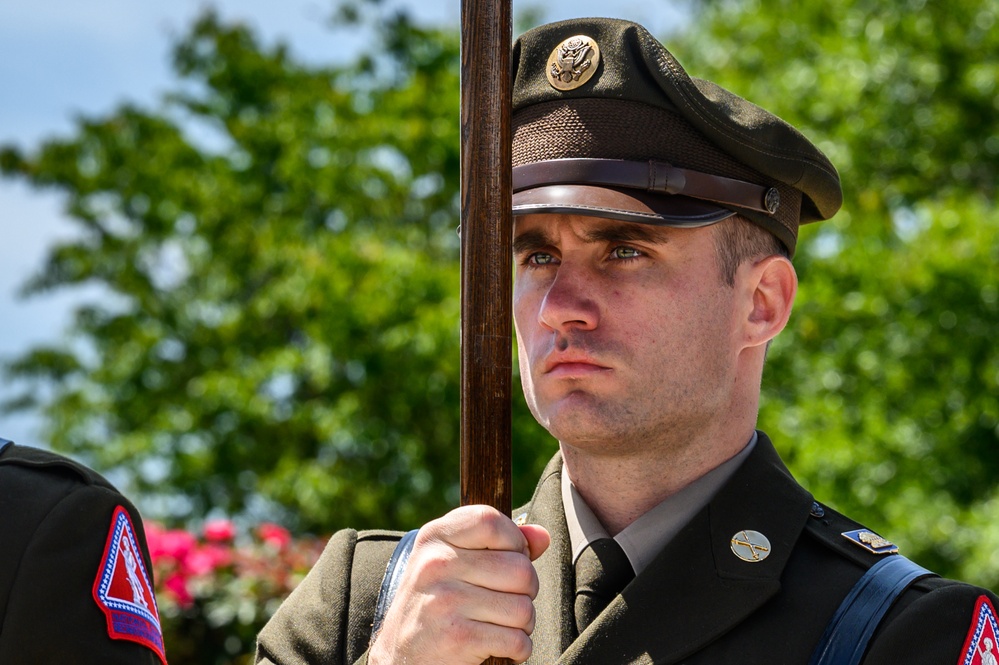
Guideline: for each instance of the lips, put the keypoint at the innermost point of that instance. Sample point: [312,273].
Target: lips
[572,365]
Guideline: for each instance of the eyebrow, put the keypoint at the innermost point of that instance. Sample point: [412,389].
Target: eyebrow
[627,233]
[531,241]
[537,239]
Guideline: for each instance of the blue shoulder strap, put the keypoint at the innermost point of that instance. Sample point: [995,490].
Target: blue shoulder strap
[847,635]
[393,576]
[3,444]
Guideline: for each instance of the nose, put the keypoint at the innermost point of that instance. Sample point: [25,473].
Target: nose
[569,303]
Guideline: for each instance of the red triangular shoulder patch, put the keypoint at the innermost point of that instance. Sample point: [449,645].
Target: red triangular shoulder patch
[124,589]
[982,645]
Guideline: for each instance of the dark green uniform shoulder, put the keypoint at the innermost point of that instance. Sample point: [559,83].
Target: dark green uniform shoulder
[379,536]
[931,622]
[46,462]
[57,518]
[328,617]
[828,527]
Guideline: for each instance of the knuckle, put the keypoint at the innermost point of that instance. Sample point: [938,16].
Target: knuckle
[525,576]
[522,613]
[424,570]
[427,534]
[487,517]
[437,529]
[519,646]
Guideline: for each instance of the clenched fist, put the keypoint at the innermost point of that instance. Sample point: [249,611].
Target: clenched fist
[467,593]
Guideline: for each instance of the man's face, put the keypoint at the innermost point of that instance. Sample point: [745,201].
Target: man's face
[625,331]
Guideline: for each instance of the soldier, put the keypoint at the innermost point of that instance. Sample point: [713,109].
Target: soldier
[75,572]
[655,218]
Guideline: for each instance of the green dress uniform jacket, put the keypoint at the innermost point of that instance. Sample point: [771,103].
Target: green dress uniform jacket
[56,520]
[696,603]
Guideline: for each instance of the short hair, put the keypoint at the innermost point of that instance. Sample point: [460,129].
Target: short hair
[738,240]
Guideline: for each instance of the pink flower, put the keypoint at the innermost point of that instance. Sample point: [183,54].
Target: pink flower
[176,586]
[274,535]
[219,531]
[173,543]
[207,559]
[154,532]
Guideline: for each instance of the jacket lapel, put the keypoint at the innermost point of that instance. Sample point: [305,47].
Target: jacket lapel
[554,628]
[697,589]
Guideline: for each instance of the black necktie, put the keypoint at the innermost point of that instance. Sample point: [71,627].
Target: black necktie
[602,572]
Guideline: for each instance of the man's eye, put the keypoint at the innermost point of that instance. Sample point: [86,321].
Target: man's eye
[541,259]
[625,253]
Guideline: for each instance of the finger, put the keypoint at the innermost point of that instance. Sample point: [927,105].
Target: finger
[538,539]
[508,610]
[476,528]
[505,572]
[487,640]
[502,642]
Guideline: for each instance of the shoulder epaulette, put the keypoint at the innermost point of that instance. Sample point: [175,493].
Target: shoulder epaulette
[847,537]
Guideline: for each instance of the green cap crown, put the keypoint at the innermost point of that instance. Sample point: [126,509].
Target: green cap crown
[615,93]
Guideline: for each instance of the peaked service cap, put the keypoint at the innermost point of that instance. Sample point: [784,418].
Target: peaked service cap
[607,123]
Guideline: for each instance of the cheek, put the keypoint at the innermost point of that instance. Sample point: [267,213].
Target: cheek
[523,362]
[667,320]
[524,317]
[525,310]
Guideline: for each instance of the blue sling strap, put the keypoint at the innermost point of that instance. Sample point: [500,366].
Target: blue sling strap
[393,576]
[847,635]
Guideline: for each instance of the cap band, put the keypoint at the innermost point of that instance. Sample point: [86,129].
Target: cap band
[626,205]
[651,176]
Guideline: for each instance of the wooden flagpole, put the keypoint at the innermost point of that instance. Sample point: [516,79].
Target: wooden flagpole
[486,238]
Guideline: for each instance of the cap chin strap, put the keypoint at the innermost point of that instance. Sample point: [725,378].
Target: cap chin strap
[650,176]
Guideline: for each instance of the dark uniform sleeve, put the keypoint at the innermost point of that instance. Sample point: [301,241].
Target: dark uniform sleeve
[936,622]
[327,619]
[56,524]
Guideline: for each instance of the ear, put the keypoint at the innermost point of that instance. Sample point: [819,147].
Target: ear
[770,284]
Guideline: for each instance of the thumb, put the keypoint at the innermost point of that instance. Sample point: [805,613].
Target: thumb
[538,539]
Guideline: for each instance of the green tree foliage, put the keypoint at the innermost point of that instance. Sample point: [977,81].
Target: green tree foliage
[278,244]
[884,393]
[283,294]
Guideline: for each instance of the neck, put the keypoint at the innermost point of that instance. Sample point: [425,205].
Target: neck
[622,485]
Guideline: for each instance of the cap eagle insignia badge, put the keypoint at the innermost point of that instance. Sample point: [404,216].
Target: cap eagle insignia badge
[573,62]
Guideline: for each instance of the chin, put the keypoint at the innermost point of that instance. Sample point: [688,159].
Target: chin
[578,425]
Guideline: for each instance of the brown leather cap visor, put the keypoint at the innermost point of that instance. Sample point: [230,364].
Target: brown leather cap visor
[627,205]
[647,192]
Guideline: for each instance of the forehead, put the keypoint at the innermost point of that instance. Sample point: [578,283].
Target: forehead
[553,228]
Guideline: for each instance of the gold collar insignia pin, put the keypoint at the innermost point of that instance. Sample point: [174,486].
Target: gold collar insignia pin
[750,546]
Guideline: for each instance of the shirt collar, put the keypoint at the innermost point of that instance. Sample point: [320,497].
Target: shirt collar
[643,539]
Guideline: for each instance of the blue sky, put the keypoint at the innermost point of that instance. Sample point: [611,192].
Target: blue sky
[63,58]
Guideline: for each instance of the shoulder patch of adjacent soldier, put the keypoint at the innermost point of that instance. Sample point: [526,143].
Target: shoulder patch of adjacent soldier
[124,589]
[982,645]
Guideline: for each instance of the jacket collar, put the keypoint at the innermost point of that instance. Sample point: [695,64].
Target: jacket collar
[694,591]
